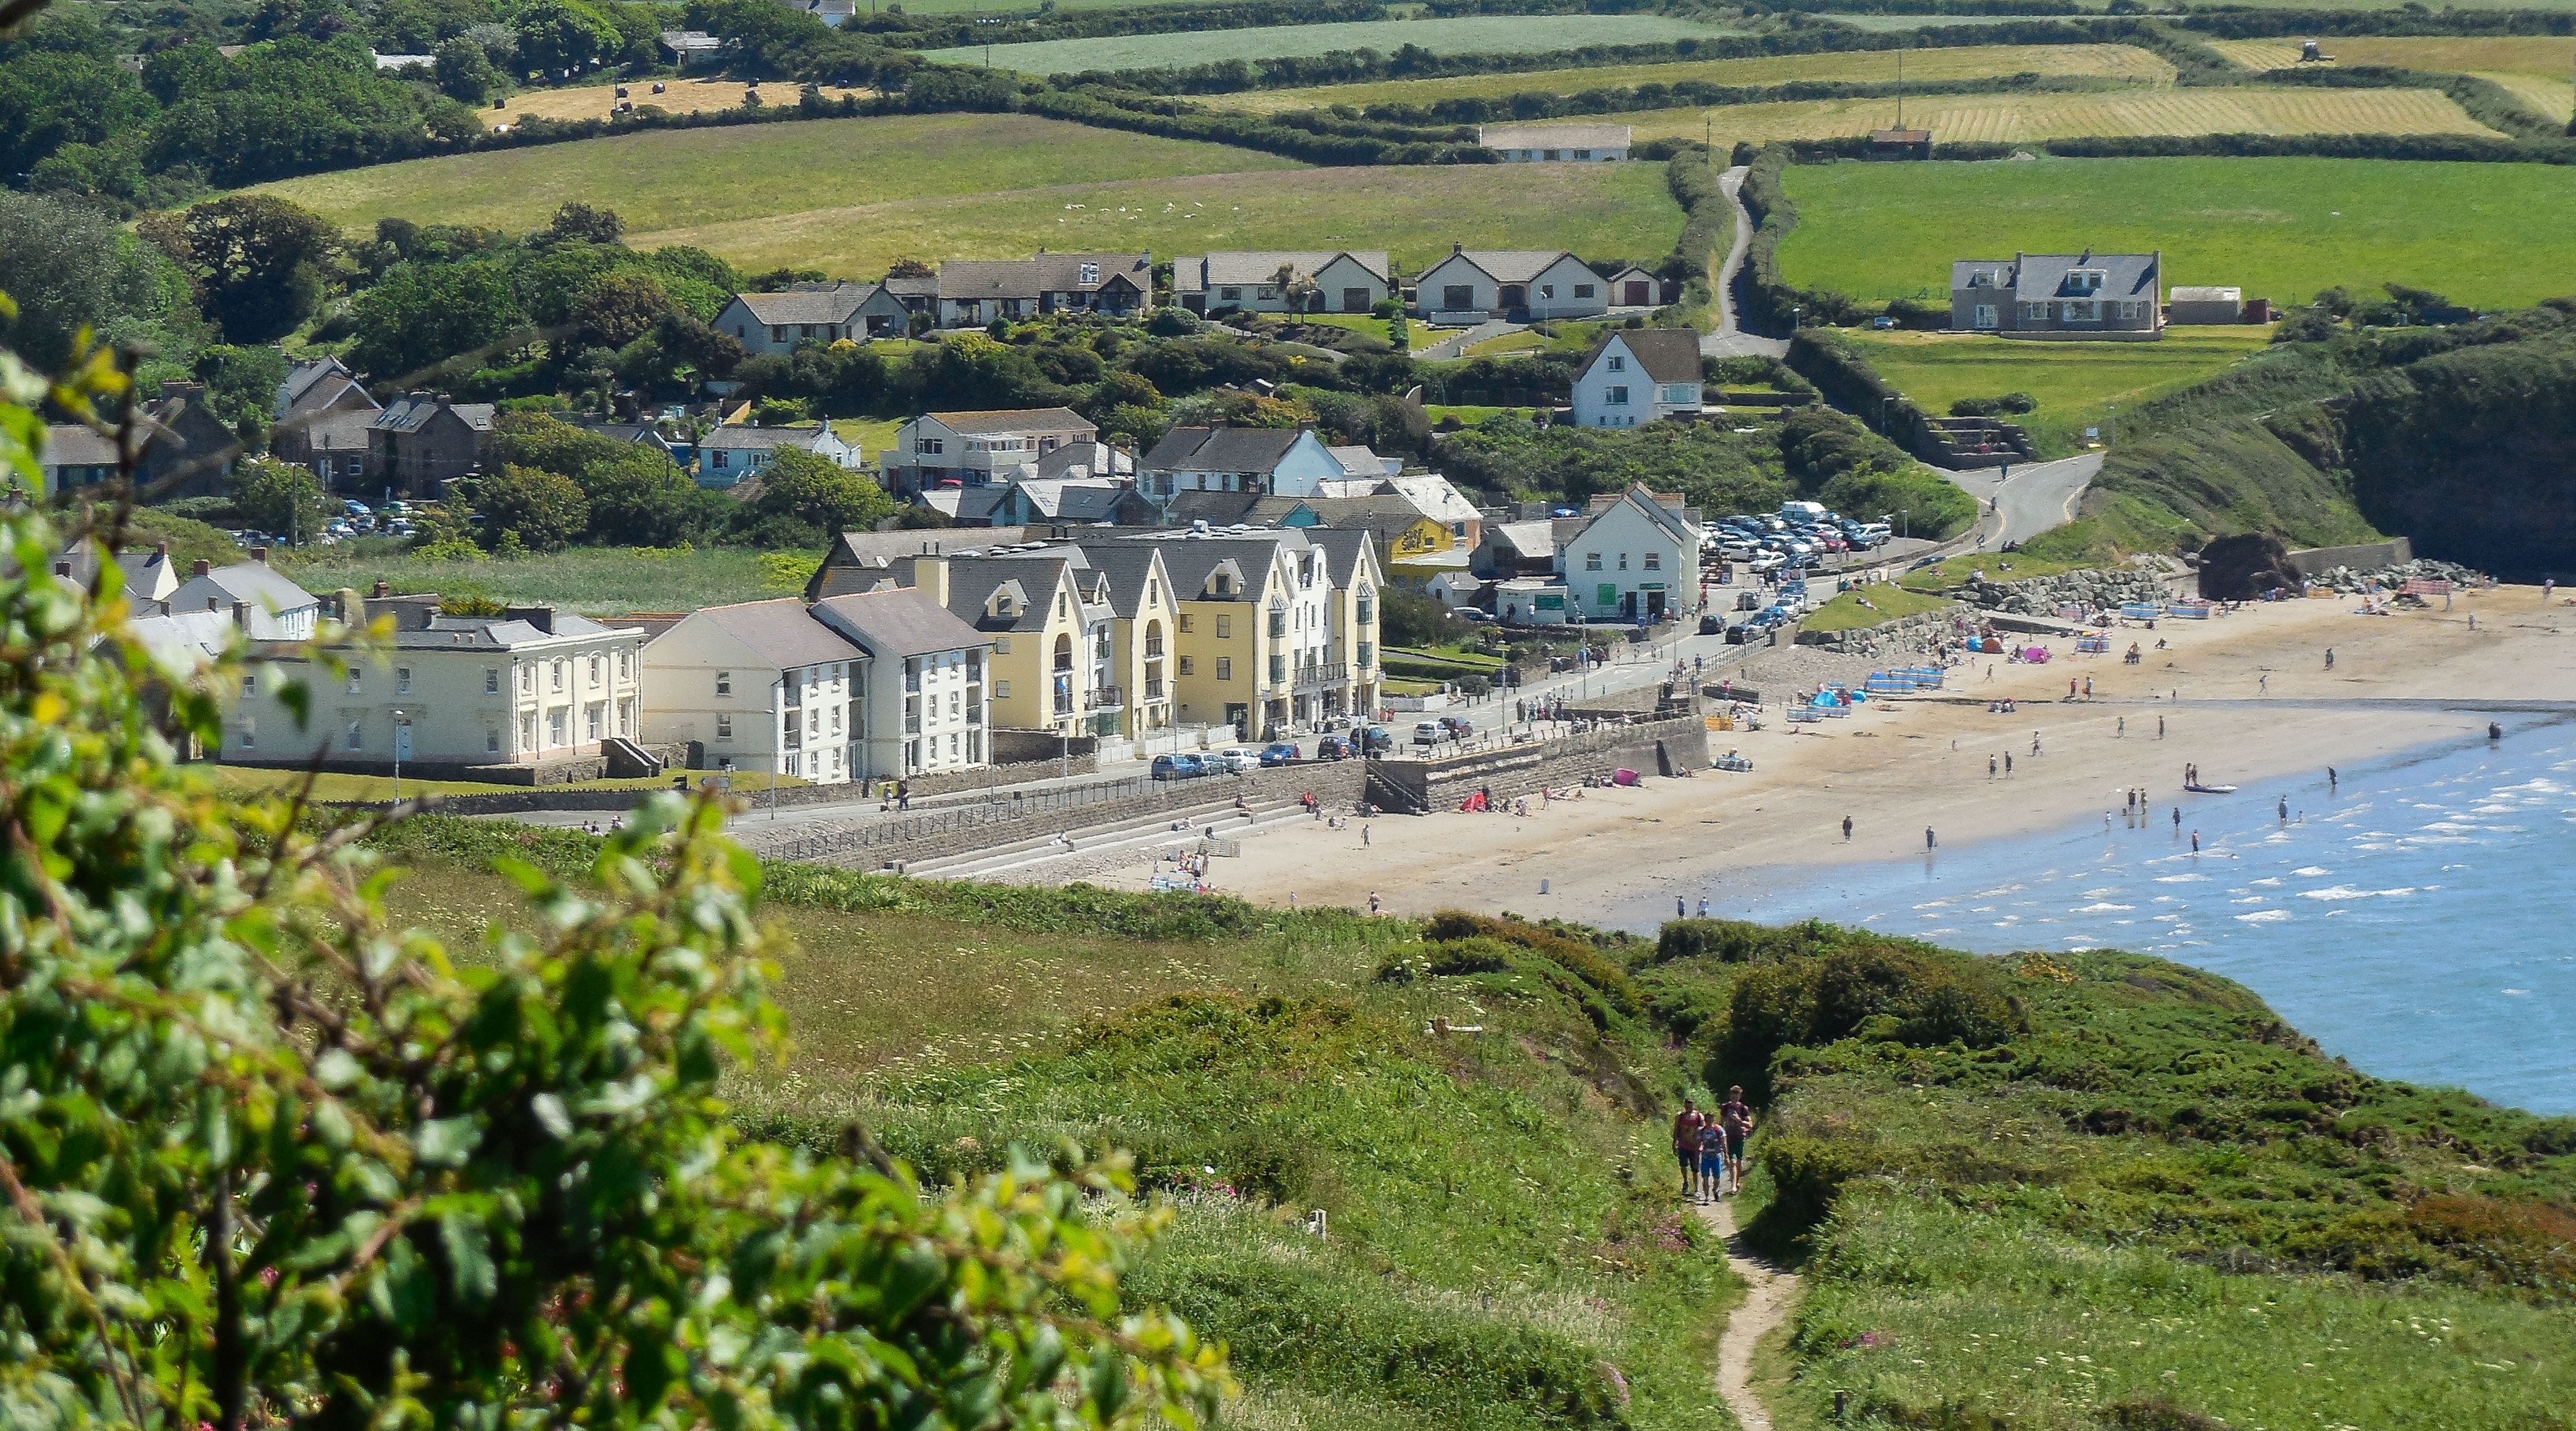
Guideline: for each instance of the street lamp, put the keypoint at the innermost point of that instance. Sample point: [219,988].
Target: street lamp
[398,728]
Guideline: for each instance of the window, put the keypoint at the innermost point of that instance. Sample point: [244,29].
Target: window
[625,670]
[1153,590]
[1616,397]
[1001,645]
[1367,608]
[249,734]
[1225,668]
[2034,313]
[528,730]
[1189,667]
[354,678]
[1654,561]
[1278,624]
[723,458]
[1592,561]
[1001,690]
[1059,605]
[1583,290]
[250,684]
[778,333]
[1090,273]
[1547,290]
[357,735]
[1623,561]
[2082,310]
[491,680]
[598,668]
[930,446]
[1225,628]
[527,680]
[724,683]
[1986,317]
[1266,291]
[1618,363]
[555,732]
[1278,669]
[1457,295]
[1186,627]
[558,673]
[1677,393]
[1550,154]
[402,680]
[1230,295]
[591,719]
[1582,154]
[491,740]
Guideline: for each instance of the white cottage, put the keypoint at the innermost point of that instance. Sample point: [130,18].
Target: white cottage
[1342,281]
[1476,285]
[1635,559]
[1637,375]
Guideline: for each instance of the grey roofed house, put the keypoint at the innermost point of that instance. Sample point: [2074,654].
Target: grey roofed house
[738,437]
[972,581]
[966,506]
[1517,549]
[780,633]
[1007,420]
[419,624]
[1221,449]
[1125,567]
[319,385]
[1076,460]
[1249,267]
[2112,294]
[1190,560]
[182,643]
[831,303]
[2047,275]
[413,411]
[916,294]
[1217,509]
[896,622]
[276,608]
[1365,462]
[965,280]
[1512,265]
[857,561]
[1669,355]
[1341,547]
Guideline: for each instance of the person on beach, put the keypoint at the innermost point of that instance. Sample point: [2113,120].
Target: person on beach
[1703,909]
[2329,658]
[2195,842]
[1364,835]
[1375,904]
[2263,684]
[2034,742]
[2160,727]
[1847,828]
[2177,819]
[1686,1126]
[1735,1120]
[1990,767]
[2007,764]
[2122,733]
[2285,809]
[1681,909]
[2332,780]
[1928,841]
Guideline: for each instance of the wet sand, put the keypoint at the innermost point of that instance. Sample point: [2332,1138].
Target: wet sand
[1896,767]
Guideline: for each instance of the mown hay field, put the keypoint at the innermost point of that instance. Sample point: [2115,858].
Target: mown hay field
[2535,68]
[2075,383]
[2125,62]
[597,101]
[2025,118]
[1467,35]
[1415,214]
[2279,228]
[675,178]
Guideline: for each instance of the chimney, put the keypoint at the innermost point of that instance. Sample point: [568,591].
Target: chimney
[260,555]
[1457,248]
[241,615]
[160,552]
[541,617]
[383,589]
[930,577]
[353,608]
[202,568]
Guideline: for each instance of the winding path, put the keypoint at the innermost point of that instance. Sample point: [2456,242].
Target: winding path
[1729,340]
[1775,1288]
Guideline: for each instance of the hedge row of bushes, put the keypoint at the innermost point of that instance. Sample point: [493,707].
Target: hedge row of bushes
[921,32]
[2252,24]
[2484,100]
[1692,94]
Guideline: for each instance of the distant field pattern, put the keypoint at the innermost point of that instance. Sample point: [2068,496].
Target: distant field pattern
[2018,118]
[2126,62]
[1479,34]
[674,178]
[1415,214]
[2278,228]
[2539,70]
[678,96]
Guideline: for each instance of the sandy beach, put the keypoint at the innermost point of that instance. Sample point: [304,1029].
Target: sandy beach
[1897,767]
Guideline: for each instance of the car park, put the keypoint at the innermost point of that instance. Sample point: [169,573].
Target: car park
[1377,740]
[1768,561]
[1178,767]
[1279,752]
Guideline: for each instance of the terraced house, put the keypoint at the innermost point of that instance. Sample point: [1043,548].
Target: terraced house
[759,686]
[1255,625]
[1337,281]
[1048,617]
[2110,296]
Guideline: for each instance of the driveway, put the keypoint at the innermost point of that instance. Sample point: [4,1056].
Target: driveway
[1456,346]
[2037,497]
[1729,340]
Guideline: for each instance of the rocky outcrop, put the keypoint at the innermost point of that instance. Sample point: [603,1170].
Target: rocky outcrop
[2044,595]
[2391,578]
[1908,635]
[2244,566]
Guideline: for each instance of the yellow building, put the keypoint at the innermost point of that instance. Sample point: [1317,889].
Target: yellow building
[1048,616]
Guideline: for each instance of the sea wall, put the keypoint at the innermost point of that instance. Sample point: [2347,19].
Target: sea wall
[2317,561]
[1663,747]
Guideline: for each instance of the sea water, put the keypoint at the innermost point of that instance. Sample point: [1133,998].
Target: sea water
[2417,917]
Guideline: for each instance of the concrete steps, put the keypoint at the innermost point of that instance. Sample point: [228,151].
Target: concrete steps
[1133,831]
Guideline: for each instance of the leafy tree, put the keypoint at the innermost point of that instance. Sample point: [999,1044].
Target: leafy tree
[544,510]
[677,351]
[557,36]
[312,19]
[1409,618]
[799,487]
[422,315]
[465,72]
[60,84]
[581,223]
[643,499]
[1117,390]
[271,1158]
[619,309]
[241,383]
[68,265]
[279,497]
[293,106]
[910,268]
[262,262]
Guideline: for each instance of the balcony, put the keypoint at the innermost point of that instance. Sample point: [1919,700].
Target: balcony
[1153,650]
[1154,688]
[1105,698]
[1318,677]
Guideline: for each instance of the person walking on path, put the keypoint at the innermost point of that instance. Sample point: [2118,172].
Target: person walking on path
[2034,742]
[1703,909]
[2123,732]
[1681,908]
[1847,828]
[1735,1122]
[1686,1126]
[1712,1161]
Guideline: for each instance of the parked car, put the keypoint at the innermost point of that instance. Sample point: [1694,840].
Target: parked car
[1378,740]
[1333,747]
[1234,759]
[1279,752]
[1458,726]
[1768,561]
[1712,624]
[1178,767]
[1470,613]
[1429,732]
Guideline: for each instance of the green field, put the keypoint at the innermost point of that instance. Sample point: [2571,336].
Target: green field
[2278,228]
[675,178]
[1415,214]
[2025,118]
[2075,383]
[1480,34]
[2535,68]
[597,581]
[2126,62]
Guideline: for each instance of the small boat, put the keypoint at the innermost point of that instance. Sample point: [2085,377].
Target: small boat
[2211,789]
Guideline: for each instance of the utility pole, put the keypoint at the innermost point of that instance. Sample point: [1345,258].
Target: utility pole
[1900,85]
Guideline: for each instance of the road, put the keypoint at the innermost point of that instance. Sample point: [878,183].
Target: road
[1730,340]
[2039,496]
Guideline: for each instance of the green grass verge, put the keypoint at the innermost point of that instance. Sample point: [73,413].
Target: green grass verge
[675,179]
[1870,606]
[2008,566]
[870,435]
[2076,384]
[2281,229]
[1475,34]
[1617,211]
[597,581]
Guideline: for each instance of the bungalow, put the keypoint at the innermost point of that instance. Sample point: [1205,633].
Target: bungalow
[979,449]
[972,294]
[1555,143]
[2061,296]
[1638,375]
[813,313]
[1342,281]
[1279,462]
[727,455]
[1474,285]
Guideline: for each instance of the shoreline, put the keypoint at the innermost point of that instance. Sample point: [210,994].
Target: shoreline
[2245,697]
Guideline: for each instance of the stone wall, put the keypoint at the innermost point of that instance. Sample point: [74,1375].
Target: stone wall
[1012,746]
[1905,631]
[2043,595]
[2317,561]
[1665,747]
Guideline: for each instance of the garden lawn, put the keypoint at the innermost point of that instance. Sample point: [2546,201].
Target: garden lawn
[671,178]
[596,581]
[870,435]
[597,101]
[1857,67]
[1469,35]
[1598,211]
[2278,228]
[2023,118]
[2074,382]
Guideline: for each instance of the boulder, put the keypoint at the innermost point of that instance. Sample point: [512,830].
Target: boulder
[2243,567]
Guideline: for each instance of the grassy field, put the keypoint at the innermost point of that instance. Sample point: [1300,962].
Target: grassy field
[2019,118]
[1415,214]
[2278,228]
[2536,68]
[1478,34]
[678,96]
[1870,606]
[597,581]
[1867,67]
[2074,382]
[676,178]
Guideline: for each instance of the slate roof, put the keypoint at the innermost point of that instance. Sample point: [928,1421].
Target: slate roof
[1093,459]
[912,287]
[1217,509]
[1125,566]
[972,581]
[413,411]
[809,303]
[320,384]
[183,643]
[897,623]
[495,632]
[1222,449]
[969,279]
[1668,355]
[1008,420]
[70,444]
[1361,461]
[1249,267]
[1511,265]
[1553,136]
[780,633]
[738,438]
[2036,277]
[1341,547]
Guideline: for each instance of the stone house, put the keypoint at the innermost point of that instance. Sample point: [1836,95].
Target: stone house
[423,441]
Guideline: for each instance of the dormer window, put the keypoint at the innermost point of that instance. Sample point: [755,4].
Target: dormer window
[2084,280]
[1090,274]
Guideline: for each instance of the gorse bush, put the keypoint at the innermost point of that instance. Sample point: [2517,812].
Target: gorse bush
[1876,992]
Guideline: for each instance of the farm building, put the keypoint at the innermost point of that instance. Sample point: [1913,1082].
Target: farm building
[1473,285]
[2058,295]
[2192,306]
[1900,144]
[1555,143]
[1319,282]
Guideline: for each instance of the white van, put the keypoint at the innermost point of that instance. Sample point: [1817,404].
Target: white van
[1811,511]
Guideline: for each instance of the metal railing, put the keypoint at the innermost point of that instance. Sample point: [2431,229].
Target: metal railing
[1106,698]
[1316,677]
